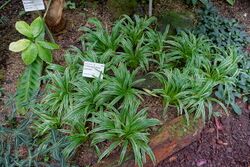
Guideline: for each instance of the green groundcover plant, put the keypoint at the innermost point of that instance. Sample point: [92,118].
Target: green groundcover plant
[224,32]
[73,110]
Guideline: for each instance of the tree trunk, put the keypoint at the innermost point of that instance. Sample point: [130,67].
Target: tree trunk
[54,17]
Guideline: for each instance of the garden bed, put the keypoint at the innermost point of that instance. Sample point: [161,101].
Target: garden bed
[155,105]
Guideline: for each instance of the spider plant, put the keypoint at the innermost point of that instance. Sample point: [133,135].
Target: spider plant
[135,57]
[157,42]
[72,59]
[100,39]
[201,99]
[175,91]
[134,29]
[46,121]
[224,70]
[59,97]
[189,50]
[77,135]
[126,129]
[88,98]
[119,89]
[106,58]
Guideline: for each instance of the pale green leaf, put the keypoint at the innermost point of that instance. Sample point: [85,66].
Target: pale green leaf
[23,28]
[37,26]
[44,54]
[19,45]
[29,55]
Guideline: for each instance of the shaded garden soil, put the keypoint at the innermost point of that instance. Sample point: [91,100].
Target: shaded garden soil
[229,146]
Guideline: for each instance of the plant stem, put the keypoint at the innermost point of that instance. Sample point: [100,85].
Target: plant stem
[46,27]
[47,9]
[150,8]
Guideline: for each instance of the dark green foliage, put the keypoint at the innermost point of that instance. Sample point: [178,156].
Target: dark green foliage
[222,31]
[195,2]
[28,85]
[3,21]
[1,92]
[225,32]
[18,147]
[126,128]
[243,83]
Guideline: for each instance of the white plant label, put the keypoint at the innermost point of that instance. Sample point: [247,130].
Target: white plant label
[93,70]
[33,5]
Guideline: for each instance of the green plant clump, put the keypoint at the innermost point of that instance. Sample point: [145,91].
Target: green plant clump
[34,50]
[225,32]
[74,109]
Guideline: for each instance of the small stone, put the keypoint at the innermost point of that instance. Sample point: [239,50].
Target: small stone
[201,162]
[220,142]
[173,158]
[8,81]
[229,150]
[248,143]
[211,130]
[245,14]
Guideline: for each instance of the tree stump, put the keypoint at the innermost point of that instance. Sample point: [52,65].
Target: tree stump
[54,18]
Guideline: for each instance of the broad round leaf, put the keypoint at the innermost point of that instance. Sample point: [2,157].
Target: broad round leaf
[48,45]
[23,28]
[37,26]
[44,54]
[19,45]
[29,55]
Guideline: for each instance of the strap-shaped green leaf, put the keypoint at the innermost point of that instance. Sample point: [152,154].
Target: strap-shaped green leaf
[29,55]
[23,28]
[28,85]
[19,45]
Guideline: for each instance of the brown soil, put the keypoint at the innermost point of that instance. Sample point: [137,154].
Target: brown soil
[227,147]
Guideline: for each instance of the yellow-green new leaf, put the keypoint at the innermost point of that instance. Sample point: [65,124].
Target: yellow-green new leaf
[48,45]
[23,28]
[30,54]
[19,45]
[37,26]
[44,54]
